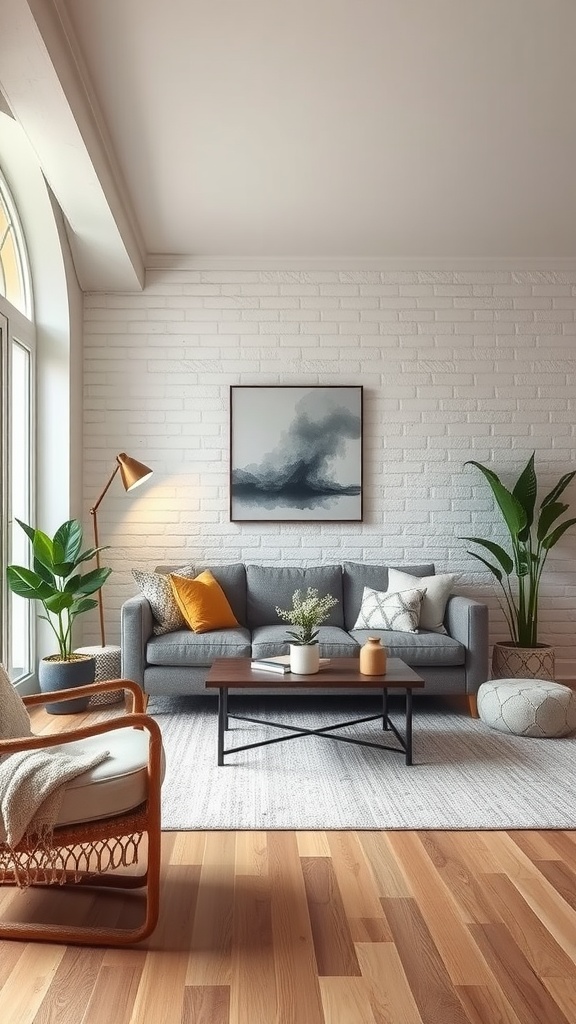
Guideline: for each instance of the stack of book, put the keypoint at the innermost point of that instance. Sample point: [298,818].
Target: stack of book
[278,665]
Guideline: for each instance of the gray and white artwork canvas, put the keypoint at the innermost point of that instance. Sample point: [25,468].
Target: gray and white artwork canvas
[296,453]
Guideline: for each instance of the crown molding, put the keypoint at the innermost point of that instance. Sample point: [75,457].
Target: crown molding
[168,262]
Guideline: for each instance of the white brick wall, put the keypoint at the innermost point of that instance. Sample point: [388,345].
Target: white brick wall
[456,365]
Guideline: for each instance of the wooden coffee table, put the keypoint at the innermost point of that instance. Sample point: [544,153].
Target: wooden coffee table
[228,674]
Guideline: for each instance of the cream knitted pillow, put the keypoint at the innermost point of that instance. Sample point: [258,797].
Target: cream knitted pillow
[390,611]
[14,718]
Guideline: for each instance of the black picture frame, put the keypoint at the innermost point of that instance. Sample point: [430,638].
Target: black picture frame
[296,453]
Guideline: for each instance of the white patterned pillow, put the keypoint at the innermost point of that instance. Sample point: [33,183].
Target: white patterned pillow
[437,591]
[399,611]
[158,592]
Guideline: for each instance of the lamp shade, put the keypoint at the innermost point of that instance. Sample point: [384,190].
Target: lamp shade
[132,472]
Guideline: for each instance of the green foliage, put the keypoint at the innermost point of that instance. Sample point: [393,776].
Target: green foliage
[55,581]
[518,571]
[307,611]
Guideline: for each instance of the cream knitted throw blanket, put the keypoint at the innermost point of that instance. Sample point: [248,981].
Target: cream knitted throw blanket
[32,783]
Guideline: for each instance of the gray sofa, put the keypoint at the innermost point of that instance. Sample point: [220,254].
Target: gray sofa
[178,662]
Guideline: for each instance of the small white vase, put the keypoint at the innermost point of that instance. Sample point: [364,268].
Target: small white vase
[304,659]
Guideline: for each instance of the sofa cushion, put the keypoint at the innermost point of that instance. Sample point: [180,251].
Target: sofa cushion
[231,577]
[186,648]
[271,586]
[397,611]
[421,648]
[202,602]
[333,642]
[357,575]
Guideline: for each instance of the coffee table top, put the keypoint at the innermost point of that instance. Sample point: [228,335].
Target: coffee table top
[339,672]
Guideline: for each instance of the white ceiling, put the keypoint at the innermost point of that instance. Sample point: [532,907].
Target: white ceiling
[334,128]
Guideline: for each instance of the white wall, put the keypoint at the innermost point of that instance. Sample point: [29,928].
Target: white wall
[456,364]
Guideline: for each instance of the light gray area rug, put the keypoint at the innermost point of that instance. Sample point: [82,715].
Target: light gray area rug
[465,775]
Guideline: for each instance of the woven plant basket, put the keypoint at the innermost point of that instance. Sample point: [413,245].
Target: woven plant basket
[509,661]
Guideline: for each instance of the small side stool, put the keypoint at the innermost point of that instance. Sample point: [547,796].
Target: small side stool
[528,707]
[107,667]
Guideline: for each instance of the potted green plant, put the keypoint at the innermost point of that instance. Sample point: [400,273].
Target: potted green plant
[519,570]
[64,593]
[307,612]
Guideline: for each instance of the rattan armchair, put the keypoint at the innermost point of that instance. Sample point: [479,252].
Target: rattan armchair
[89,851]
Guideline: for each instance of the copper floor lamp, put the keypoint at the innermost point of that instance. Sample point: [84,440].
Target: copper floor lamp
[132,473]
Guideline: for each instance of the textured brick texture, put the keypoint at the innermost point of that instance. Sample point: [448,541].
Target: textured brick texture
[455,365]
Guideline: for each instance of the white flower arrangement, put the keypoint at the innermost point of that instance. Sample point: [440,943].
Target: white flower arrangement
[307,612]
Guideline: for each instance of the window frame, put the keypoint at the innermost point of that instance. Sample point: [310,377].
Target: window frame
[16,328]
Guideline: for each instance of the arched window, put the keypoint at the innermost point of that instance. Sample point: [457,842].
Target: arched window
[18,349]
[14,270]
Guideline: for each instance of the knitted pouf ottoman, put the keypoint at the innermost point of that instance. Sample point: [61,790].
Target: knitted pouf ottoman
[528,707]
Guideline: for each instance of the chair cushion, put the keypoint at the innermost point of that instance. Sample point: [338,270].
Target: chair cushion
[202,602]
[115,786]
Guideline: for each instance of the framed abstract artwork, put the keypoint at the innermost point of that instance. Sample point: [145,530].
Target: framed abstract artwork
[295,453]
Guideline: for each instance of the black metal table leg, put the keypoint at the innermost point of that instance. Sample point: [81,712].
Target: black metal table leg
[408,726]
[225,695]
[222,716]
[385,708]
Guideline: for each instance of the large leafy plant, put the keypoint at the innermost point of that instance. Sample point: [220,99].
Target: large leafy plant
[532,536]
[55,581]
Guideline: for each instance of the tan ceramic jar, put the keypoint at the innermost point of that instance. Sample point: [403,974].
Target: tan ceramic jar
[373,657]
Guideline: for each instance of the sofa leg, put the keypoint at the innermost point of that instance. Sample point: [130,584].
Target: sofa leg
[473,705]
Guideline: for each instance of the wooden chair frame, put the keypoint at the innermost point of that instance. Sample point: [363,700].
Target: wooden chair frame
[144,820]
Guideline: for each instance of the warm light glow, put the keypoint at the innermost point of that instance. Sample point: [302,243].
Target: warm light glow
[138,482]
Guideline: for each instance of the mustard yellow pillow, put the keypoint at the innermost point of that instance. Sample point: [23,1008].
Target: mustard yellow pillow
[202,602]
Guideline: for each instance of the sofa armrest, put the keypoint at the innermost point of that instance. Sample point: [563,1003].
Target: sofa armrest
[467,622]
[136,629]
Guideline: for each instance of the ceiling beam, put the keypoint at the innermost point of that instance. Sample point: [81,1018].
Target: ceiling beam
[45,83]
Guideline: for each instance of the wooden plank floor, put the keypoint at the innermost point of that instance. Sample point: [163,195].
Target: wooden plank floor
[321,928]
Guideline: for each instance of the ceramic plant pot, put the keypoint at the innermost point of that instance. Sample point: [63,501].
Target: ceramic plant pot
[55,675]
[304,659]
[510,661]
